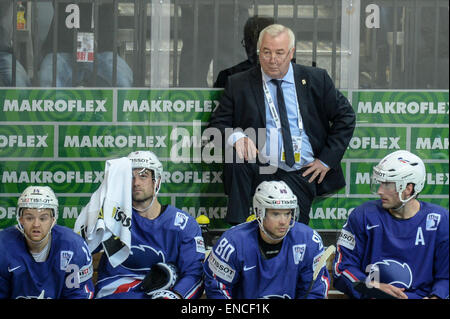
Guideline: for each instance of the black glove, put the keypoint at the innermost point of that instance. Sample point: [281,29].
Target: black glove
[161,276]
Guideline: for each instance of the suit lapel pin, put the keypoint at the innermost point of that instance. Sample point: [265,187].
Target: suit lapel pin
[303,81]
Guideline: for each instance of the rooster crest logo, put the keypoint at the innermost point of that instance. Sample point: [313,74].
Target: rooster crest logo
[392,272]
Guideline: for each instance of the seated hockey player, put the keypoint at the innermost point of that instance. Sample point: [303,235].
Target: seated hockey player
[270,257]
[396,244]
[167,249]
[39,259]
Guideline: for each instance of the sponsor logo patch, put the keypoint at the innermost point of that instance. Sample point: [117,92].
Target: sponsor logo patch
[220,268]
[199,244]
[86,272]
[346,239]
[316,260]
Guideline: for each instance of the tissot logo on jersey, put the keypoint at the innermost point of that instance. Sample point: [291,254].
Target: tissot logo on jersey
[220,268]
[346,239]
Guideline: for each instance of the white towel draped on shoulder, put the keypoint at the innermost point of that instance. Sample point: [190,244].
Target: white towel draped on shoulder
[106,218]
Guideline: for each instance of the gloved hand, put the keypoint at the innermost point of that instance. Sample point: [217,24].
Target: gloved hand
[164,294]
[161,276]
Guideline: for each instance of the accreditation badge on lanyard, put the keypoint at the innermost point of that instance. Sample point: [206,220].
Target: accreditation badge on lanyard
[85,43]
[296,140]
[85,47]
[296,146]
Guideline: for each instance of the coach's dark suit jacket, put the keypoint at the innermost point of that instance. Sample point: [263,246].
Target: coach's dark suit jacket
[328,118]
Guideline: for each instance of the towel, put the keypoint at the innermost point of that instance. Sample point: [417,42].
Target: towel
[106,219]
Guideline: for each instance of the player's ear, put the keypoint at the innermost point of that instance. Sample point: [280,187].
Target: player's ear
[409,190]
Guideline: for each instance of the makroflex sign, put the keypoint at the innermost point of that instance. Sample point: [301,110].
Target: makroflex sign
[62,138]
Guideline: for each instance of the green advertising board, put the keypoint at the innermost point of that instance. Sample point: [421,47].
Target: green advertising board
[26,141]
[62,138]
[56,105]
[176,105]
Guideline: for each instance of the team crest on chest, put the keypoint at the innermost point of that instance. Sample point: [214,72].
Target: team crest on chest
[299,252]
[66,257]
[433,221]
[142,257]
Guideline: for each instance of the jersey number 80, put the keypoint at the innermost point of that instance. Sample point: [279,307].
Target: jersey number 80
[224,249]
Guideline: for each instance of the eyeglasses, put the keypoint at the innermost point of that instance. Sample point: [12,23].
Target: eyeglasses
[278,57]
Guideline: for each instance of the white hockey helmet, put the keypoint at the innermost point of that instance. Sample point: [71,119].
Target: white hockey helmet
[148,160]
[400,167]
[274,195]
[38,197]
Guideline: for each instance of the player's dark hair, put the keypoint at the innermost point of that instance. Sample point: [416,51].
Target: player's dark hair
[252,28]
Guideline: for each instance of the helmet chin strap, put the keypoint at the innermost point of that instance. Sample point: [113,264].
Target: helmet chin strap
[36,242]
[155,192]
[404,201]
[146,208]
